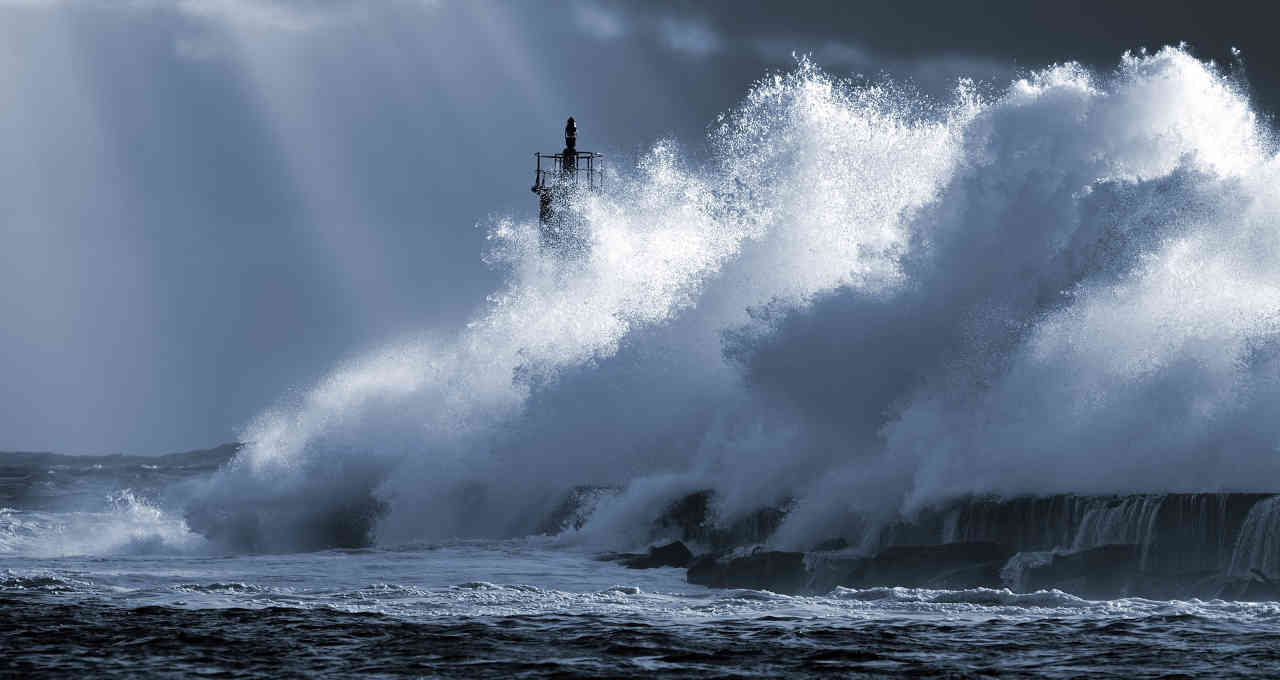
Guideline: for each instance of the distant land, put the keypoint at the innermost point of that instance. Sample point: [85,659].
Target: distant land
[214,457]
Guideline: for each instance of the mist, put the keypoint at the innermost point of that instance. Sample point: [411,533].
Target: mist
[869,303]
[207,205]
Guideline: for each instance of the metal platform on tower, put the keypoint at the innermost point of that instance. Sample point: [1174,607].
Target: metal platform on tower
[559,178]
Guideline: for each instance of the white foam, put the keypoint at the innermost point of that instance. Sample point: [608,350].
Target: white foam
[132,525]
[868,302]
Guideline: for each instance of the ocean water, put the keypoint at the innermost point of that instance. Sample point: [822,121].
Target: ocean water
[120,588]
[864,304]
[523,608]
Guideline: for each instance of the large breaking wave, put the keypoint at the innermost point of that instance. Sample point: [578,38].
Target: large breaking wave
[868,302]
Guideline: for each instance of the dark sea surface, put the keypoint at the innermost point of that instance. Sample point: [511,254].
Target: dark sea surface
[528,609]
[97,580]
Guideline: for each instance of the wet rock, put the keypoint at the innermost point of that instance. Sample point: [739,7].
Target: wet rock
[575,508]
[952,566]
[962,565]
[831,545]
[280,527]
[1104,572]
[692,519]
[1154,586]
[674,554]
[1257,587]
[980,575]
[777,571]
[689,517]
[756,527]
[828,571]
[1257,591]
[706,570]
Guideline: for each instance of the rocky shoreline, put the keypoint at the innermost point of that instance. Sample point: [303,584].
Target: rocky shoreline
[1158,546]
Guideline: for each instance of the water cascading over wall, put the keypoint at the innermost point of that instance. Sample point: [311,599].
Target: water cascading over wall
[1177,533]
[1258,547]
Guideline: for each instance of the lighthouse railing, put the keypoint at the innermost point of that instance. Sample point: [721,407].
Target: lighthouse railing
[583,172]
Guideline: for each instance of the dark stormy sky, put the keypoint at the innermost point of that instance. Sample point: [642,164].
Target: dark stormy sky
[206,204]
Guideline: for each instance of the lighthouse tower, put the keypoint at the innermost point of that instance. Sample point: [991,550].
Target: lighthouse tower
[559,180]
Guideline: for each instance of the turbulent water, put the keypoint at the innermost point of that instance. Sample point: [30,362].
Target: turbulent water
[867,304]
[118,588]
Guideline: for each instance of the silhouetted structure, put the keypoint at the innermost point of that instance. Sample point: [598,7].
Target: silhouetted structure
[557,184]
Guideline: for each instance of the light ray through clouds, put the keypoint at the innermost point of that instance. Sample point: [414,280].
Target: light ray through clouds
[313,97]
[224,197]
[67,252]
[302,119]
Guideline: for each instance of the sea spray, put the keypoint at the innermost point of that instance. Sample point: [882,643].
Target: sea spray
[128,524]
[868,303]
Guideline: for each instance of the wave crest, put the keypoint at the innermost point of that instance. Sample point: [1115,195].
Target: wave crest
[868,303]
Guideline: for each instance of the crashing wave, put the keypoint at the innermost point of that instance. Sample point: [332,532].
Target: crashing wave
[868,302]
